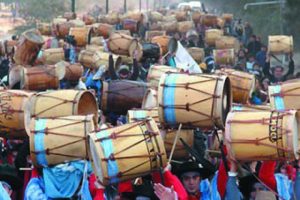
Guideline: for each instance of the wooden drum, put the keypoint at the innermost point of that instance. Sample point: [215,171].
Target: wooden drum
[262,135]
[58,140]
[212,35]
[242,83]
[197,54]
[142,114]
[44,28]
[53,56]
[127,152]
[209,20]
[28,47]
[224,56]
[280,44]
[62,103]
[120,44]
[150,99]
[194,100]
[228,42]
[15,113]
[40,78]
[183,27]
[131,25]
[156,72]
[250,107]
[82,35]
[121,96]
[152,34]
[163,42]
[103,30]
[73,71]
[180,152]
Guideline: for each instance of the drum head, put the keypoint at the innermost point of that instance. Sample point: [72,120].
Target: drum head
[34,36]
[226,99]
[95,158]
[60,69]
[173,45]
[135,45]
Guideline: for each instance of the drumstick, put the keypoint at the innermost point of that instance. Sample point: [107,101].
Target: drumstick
[175,142]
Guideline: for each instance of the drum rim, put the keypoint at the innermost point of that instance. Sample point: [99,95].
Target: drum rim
[150,94]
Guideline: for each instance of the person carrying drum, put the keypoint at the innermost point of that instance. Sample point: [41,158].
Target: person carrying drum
[124,71]
[277,74]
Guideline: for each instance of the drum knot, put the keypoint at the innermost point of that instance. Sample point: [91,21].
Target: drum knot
[187,107]
[187,86]
[113,136]
[112,157]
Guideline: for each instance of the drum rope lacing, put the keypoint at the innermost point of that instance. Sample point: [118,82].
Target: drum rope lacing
[124,51]
[47,131]
[148,135]
[259,141]
[56,105]
[187,107]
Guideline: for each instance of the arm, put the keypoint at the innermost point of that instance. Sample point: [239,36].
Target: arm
[232,190]
[291,69]
[136,70]
[111,68]
[266,174]
[96,190]
[171,181]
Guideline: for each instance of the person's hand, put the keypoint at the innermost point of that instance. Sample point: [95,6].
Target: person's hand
[164,193]
[253,166]
[168,167]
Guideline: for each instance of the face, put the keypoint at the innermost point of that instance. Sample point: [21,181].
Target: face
[191,181]
[278,72]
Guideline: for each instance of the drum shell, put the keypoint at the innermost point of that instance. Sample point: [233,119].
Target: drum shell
[67,143]
[250,108]
[286,97]
[142,114]
[209,20]
[136,151]
[224,56]
[185,26]
[44,28]
[15,110]
[88,19]
[155,16]
[228,42]
[280,44]
[227,17]
[155,73]
[201,100]
[196,16]
[150,99]
[257,133]
[40,78]
[63,103]
[170,27]
[180,153]
[120,43]
[242,83]
[63,29]
[181,16]
[103,30]
[197,54]
[28,47]
[152,34]
[120,96]
[73,71]
[53,56]
[82,35]
[163,42]
[212,35]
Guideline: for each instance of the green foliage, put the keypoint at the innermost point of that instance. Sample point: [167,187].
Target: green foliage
[43,10]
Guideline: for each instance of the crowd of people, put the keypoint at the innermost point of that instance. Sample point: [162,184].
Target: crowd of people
[199,176]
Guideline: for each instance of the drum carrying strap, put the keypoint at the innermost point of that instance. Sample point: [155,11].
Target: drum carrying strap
[169,98]
[278,100]
[108,149]
[39,146]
